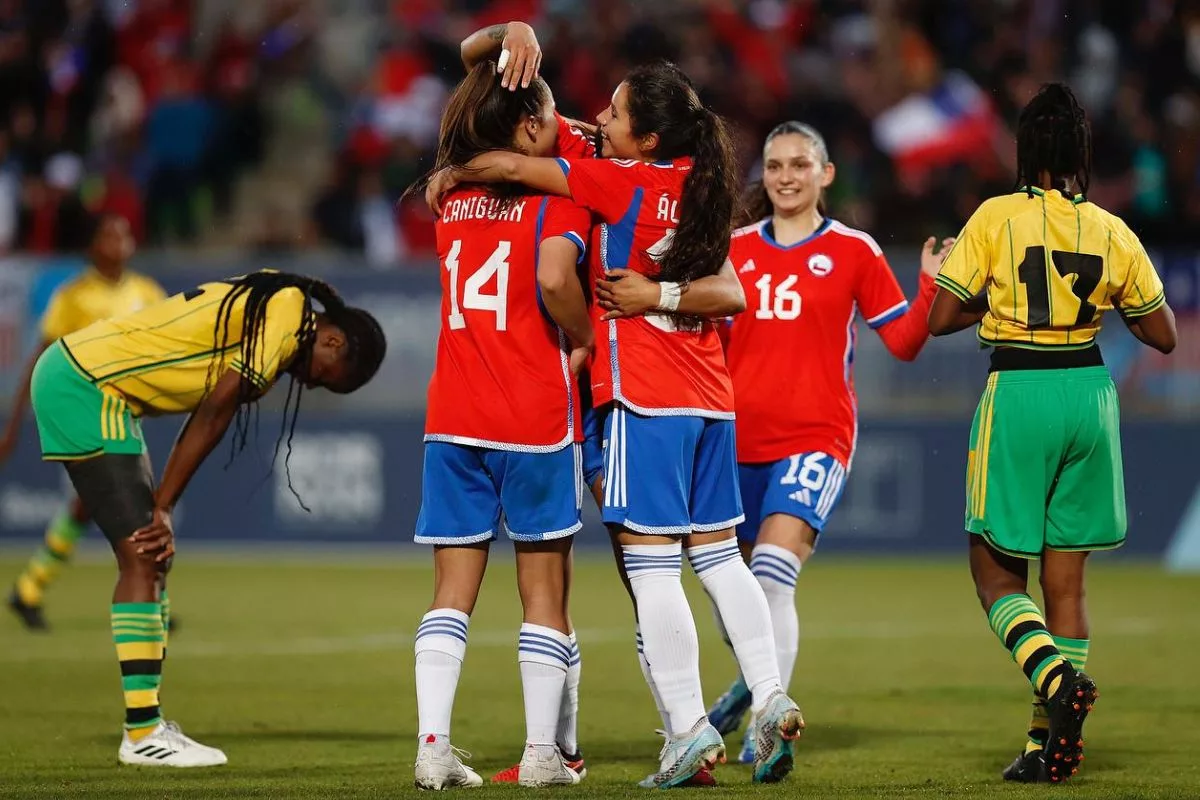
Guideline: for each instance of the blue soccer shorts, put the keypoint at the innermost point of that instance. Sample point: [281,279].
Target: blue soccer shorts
[593,445]
[807,486]
[669,475]
[465,489]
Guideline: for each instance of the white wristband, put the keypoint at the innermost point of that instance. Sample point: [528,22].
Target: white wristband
[669,295]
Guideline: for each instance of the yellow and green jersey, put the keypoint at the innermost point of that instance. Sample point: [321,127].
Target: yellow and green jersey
[91,297]
[163,359]
[1051,266]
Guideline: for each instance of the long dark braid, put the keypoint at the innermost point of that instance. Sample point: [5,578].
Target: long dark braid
[1053,137]
[365,342]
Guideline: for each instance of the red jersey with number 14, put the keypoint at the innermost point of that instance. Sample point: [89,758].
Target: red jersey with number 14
[645,363]
[501,379]
[791,352]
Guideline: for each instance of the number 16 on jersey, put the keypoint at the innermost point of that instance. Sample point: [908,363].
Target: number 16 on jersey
[473,297]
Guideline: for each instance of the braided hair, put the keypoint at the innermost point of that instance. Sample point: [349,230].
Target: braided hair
[1053,137]
[365,347]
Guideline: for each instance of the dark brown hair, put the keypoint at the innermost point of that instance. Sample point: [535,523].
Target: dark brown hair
[481,116]
[663,101]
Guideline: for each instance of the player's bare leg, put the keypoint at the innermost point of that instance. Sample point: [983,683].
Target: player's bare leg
[1001,583]
[568,720]
[544,655]
[441,645]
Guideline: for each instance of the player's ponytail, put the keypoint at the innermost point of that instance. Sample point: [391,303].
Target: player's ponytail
[663,101]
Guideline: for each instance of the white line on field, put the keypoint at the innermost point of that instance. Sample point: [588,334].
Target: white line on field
[395,641]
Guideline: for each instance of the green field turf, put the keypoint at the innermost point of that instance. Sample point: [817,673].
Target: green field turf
[302,673]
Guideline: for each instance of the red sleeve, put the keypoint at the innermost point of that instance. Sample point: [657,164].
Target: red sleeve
[907,334]
[572,142]
[604,185]
[903,328]
[879,296]
[561,217]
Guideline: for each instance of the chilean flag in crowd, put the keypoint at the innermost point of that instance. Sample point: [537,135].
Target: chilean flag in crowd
[951,123]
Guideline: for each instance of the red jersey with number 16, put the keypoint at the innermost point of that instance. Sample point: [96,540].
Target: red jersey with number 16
[501,379]
[791,352]
[645,363]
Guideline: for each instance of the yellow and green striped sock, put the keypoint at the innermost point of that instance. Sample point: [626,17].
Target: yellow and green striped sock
[61,538]
[164,601]
[1021,628]
[1076,651]
[138,633]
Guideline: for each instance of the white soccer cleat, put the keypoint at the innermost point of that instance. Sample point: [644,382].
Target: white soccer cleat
[167,746]
[685,755]
[544,765]
[439,766]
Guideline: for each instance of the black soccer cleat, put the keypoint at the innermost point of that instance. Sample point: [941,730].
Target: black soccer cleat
[1027,768]
[31,616]
[1068,709]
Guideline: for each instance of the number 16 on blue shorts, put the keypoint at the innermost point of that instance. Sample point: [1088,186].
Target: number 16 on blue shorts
[806,485]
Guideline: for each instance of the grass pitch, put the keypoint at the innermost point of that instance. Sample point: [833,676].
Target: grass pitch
[302,673]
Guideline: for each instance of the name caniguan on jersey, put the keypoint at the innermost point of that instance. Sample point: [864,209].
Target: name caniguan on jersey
[501,379]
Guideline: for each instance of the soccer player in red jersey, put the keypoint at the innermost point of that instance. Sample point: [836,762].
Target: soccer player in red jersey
[664,196]
[503,422]
[516,52]
[807,279]
[514,46]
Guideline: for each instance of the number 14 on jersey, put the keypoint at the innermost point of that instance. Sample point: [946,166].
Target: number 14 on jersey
[473,297]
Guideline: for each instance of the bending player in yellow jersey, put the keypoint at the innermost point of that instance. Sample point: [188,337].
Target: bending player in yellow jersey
[1036,269]
[105,289]
[210,353]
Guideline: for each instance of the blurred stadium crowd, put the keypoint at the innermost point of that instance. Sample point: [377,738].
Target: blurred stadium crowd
[280,125]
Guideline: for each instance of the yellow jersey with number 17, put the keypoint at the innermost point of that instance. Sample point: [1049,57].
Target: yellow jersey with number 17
[163,359]
[1051,266]
[90,297]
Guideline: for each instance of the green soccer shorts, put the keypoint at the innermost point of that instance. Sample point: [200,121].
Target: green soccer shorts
[1044,469]
[75,418]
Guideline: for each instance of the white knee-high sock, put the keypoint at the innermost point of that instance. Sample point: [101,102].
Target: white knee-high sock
[743,610]
[543,655]
[668,630]
[568,714]
[440,646]
[777,569]
[645,665]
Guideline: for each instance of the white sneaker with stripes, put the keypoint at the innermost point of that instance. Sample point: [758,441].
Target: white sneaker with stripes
[167,746]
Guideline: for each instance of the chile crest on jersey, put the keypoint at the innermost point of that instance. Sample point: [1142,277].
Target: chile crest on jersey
[791,352]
